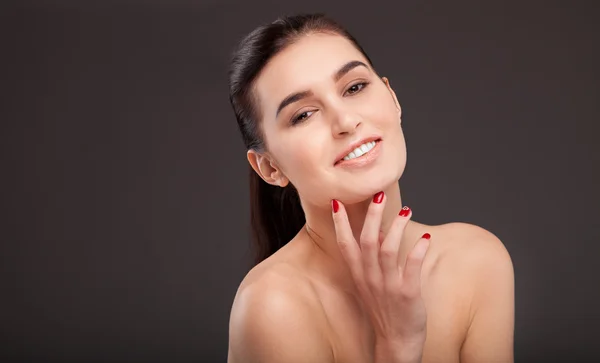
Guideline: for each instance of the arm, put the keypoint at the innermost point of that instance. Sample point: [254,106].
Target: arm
[491,332]
[271,325]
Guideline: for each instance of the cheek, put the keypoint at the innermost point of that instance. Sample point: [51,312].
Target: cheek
[380,108]
[299,158]
[305,156]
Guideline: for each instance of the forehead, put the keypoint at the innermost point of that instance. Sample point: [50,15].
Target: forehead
[306,63]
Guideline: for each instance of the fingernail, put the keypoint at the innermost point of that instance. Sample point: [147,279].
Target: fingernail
[335,205]
[377,198]
[404,212]
[426,236]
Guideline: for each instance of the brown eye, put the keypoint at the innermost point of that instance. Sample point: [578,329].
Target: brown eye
[355,88]
[301,117]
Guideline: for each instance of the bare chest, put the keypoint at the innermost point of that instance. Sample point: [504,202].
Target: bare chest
[353,340]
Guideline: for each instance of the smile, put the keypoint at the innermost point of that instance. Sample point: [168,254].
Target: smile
[361,156]
[359,151]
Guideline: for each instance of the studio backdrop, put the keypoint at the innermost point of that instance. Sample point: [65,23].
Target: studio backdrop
[125,228]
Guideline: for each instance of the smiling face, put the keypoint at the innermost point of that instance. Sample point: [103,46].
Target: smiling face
[319,99]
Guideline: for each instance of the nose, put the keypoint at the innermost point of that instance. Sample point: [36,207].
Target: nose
[344,123]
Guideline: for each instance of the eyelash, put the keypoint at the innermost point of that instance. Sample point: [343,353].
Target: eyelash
[296,119]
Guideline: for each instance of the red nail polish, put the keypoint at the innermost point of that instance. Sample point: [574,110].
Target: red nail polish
[377,198]
[335,205]
[426,236]
[404,212]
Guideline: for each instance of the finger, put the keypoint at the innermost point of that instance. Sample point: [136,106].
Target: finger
[411,278]
[369,240]
[346,242]
[390,248]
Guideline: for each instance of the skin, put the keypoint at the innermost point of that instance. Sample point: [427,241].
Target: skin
[305,302]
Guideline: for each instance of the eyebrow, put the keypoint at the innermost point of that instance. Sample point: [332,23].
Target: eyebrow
[297,96]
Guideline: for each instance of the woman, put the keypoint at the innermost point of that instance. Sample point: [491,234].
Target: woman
[344,273]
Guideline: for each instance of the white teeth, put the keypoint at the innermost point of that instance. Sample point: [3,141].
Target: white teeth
[361,150]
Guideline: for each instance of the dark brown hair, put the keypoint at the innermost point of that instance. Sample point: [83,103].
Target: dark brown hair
[275,212]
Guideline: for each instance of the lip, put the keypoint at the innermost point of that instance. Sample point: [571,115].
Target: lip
[353,146]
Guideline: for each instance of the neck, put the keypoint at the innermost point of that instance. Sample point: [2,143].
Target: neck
[320,231]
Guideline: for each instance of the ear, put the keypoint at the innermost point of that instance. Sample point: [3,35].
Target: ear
[267,168]
[387,83]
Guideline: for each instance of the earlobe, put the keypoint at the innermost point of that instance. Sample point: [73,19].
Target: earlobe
[282,181]
[264,166]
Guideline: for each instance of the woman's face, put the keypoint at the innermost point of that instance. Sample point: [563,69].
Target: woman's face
[308,136]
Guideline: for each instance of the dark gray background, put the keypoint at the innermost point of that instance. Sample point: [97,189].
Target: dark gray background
[124,188]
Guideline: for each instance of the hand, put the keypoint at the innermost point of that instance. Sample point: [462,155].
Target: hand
[390,293]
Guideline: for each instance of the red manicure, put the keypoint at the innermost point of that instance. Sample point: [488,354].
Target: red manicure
[426,236]
[335,205]
[404,212]
[377,198]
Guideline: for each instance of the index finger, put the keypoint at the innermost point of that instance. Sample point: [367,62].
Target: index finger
[346,242]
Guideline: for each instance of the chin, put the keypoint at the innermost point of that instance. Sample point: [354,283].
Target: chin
[361,186]
[362,190]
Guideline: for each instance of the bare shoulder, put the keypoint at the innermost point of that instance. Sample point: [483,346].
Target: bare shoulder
[460,234]
[275,318]
[476,264]
[466,254]
[472,246]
